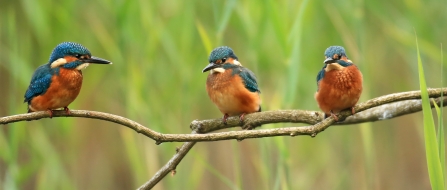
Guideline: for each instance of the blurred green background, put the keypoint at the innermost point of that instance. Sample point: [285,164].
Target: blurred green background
[159,49]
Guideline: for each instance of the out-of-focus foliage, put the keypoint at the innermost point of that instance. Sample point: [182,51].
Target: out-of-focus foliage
[159,49]
[433,151]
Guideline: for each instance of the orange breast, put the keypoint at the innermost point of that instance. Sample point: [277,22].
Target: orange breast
[230,95]
[339,89]
[63,90]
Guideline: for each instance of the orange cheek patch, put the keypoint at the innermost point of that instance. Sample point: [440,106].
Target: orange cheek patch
[344,58]
[85,57]
[70,59]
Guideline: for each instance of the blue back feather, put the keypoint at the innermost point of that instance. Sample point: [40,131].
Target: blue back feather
[320,76]
[40,81]
[247,76]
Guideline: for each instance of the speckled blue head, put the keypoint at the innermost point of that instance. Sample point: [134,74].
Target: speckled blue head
[72,55]
[221,53]
[219,56]
[334,53]
[68,49]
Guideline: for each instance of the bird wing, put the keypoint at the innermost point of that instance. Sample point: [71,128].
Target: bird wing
[320,76]
[40,82]
[249,79]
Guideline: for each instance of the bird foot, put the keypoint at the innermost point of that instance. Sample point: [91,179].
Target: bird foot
[352,110]
[50,112]
[224,119]
[67,111]
[241,118]
[334,116]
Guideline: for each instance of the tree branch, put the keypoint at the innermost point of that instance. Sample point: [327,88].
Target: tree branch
[257,119]
[313,117]
[384,107]
[383,112]
[84,114]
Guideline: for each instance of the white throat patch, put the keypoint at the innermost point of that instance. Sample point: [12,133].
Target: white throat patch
[58,62]
[333,66]
[217,70]
[236,62]
[82,66]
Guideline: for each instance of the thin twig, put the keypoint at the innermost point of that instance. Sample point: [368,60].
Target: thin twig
[170,166]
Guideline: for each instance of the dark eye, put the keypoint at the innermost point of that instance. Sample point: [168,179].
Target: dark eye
[78,56]
[223,60]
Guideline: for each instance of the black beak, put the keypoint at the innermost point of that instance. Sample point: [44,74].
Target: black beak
[329,61]
[96,60]
[210,66]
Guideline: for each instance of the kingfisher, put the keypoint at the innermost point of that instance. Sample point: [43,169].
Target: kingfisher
[339,83]
[57,83]
[230,86]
